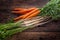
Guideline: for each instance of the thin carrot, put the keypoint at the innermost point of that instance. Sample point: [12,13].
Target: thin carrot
[34,14]
[27,14]
[18,17]
[23,11]
[28,10]
[19,9]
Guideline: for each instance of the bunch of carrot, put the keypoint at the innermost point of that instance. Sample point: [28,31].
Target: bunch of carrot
[26,13]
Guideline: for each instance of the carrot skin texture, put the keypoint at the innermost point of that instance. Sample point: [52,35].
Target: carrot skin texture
[22,11]
[34,14]
[27,14]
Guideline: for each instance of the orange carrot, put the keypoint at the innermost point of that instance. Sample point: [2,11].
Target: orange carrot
[30,16]
[19,9]
[23,11]
[27,14]
[34,14]
[20,17]
[28,10]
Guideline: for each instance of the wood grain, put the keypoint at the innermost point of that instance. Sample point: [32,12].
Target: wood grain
[36,36]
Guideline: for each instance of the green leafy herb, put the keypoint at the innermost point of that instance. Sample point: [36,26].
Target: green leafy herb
[9,29]
[51,9]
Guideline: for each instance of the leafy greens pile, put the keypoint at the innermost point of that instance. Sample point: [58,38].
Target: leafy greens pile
[51,9]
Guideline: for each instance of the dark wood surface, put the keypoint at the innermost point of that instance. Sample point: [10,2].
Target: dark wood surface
[36,36]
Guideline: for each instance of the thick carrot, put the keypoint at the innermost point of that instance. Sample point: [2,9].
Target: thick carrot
[34,14]
[23,11]
[27,14]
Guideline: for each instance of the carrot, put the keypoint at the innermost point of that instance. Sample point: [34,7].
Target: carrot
[19,9]
[28,10]
[23,11]
[27,14]
[30,16]
[34,14]
[18,17]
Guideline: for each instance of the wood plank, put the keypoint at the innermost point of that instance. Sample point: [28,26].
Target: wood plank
[36,36]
